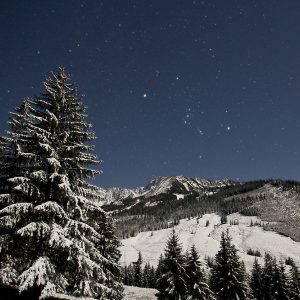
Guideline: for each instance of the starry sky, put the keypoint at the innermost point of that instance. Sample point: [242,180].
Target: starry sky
[201,88]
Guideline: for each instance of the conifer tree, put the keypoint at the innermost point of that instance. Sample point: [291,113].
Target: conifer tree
[54,238]
[172,283]
[129,275]
[280,283]
[146,275]
[159,270]
[228,278]
[268,277]
[152,278]
[294,283]
[197,286]
[256,281]
[138,272]
[125,275]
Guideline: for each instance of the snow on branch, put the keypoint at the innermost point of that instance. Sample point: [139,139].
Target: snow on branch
[8,274]
[85,230]
[40,228]
[18,180]
[8,222]
[53,162]
[51,208]
[17,208]
[58,239]
[39,175]
[38,274]
[52,117]
[28,189]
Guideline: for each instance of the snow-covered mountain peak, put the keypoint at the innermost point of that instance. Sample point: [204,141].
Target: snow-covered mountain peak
[163,185]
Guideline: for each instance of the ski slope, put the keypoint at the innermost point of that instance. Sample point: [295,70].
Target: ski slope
[206,240]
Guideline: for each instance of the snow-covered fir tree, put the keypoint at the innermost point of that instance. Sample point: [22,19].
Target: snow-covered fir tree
[146,276]
[294,283]
[268,277]
[172,283]
[128,276]
[228,276]
[138,271]
[197,284]
[280,283]
[256,279]
[53,236]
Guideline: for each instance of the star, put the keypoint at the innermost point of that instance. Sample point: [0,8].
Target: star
[228,128]
[200,131]
[145,95]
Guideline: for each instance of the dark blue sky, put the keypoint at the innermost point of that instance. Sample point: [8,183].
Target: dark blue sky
[198,88]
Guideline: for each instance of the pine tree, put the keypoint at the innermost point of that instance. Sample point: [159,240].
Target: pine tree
[128,275]
[280,283]
[146,276]
[152,278]
[228,278]
[294,283]
[256,281]
[53,237]
[159,271]
[197,286]
[172,283]
[138,272]
[268,277]
[125,275]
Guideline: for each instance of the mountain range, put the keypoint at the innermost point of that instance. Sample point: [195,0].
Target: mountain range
[166,200]
[164,185]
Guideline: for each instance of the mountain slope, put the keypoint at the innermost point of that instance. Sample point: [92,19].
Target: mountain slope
[207,238]
[168,199]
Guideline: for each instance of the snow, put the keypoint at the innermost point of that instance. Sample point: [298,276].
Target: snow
[160,185]
[39,228]
[136,293]
[150,204]
[17,208]
[37,274]
[51,208]
[179,196]
[206,240]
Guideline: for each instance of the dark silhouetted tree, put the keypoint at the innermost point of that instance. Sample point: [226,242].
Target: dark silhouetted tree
[228,278]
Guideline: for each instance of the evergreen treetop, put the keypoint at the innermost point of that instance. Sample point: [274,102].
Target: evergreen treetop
[197,285]
[228,279]
[172,283]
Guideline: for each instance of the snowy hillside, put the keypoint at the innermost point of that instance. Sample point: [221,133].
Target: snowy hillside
[206,239]
[136,293]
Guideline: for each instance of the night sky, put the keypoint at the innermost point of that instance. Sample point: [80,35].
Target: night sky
[205,89]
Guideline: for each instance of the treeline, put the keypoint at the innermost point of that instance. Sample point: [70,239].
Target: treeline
[224,277]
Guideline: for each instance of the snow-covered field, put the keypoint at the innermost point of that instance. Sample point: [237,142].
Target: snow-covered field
[136,293]
[206,239]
